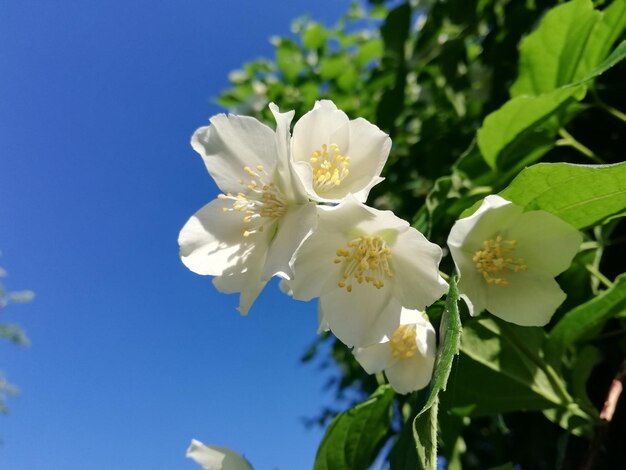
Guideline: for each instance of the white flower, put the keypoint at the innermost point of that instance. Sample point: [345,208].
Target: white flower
[216,458]
[249,233]
[507,260]
[334,156]
[356,261]
[406,354]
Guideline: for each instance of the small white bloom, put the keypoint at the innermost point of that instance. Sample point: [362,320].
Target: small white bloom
[507,260]
[356,261]
[251,231]
[406,354]
[216,458]
[334,156]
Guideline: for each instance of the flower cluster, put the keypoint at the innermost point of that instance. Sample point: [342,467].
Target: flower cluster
[293,206]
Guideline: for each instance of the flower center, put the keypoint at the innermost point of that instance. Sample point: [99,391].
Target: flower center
[364,259]
[402,342]
[495,259]
[330,168]
[260,200]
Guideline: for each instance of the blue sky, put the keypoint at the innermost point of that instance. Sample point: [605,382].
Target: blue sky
[132,355]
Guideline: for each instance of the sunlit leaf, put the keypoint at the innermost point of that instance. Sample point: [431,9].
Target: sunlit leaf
[570,42]
[354,437]
[586,320]
[582,195]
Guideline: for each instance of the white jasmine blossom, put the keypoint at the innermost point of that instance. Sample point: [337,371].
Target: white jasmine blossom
[334,156]
[507,260]
[216,458]
[406,354]
[357,260]
[251,231]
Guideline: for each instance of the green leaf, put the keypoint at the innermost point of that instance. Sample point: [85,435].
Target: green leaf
[425,435]
[582,195]
[332,66]
[354,437]
[571,40]
[369,51]
[289,59]
[314,36]
[518,120]
[586,320]
[501,370]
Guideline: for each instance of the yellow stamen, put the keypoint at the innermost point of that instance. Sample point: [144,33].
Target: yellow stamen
[365,259]
[403,344]
[330,168]
[495,259]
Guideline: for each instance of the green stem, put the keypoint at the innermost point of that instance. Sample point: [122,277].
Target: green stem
[569,140]
[614,112]
[599,276]
[608,108]
[444,275]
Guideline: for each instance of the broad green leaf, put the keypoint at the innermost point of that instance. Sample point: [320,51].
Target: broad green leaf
[571,40]
[586,320]
[354,437]
[617,55]
[425,435]
[582,195]
[519,119]
[501,370]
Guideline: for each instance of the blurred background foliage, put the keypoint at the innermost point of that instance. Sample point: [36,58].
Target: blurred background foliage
[11,332]
[428,73]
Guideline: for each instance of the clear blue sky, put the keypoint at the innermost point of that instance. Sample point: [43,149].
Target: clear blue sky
[132,355]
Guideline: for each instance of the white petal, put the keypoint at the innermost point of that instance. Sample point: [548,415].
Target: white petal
[209,458]
[324,125]
[321,320]
[283,135]
[315,271]
[316,128]
[361,317]
[368,150]
[529,300]
[231,143]
[318,252]
[293,228]
[425,337]
[288,182]
[472,286]
[411,316]
[211,241]
[415,265]
[216,458]
[411,374]
[245,277]
[494,216]
[546,243]
[375,358]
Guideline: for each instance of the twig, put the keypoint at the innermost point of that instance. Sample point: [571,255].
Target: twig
[597,445]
